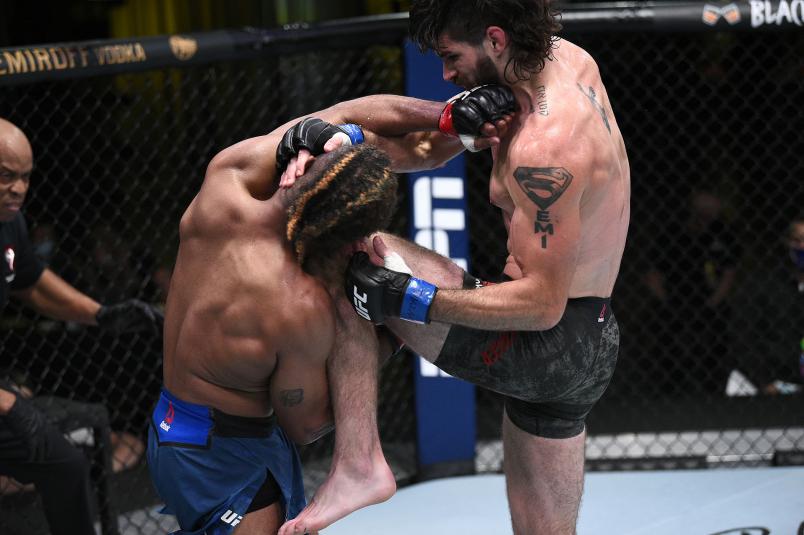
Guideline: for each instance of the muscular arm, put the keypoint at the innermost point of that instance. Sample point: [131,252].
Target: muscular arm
[418,151]
[386,115]
[408,128]
[545,238]
[404,127]
[53,297]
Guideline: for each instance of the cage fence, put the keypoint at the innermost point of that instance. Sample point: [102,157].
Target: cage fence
[710,122]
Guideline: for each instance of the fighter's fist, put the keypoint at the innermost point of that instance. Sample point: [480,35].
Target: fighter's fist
[377,292]
[312,134]
[467,112]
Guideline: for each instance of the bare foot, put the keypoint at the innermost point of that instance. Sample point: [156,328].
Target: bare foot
[343,492]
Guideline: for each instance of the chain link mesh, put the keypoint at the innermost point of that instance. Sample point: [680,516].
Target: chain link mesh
[716,182]
[710,124]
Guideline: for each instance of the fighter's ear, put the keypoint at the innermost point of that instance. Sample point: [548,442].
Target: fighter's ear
[496,39]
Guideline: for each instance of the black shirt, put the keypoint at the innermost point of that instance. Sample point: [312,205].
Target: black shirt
[769,329]
[694,263]
[21,268]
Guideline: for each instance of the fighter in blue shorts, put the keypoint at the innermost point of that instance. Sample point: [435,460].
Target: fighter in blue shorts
[259,341]
[213,468]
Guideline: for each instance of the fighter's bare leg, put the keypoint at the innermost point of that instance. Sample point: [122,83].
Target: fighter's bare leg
[544,478]
[426,340]
[359,475]
[265,521]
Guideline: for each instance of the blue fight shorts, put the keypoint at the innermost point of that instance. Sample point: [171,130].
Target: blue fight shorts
[207,466]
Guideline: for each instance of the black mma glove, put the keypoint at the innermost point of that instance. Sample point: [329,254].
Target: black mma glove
[376,292]
[132,315]
[467,112]
[27,425]
[312,134]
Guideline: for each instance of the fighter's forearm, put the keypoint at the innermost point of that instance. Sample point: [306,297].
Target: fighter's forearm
[406,128]
[383,115]
[387,115]
[514,305]
[53,297]
[418,151]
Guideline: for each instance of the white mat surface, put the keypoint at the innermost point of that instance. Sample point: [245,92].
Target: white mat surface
[691,502]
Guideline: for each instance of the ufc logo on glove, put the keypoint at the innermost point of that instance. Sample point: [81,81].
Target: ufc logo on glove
[378,292]
[360,304]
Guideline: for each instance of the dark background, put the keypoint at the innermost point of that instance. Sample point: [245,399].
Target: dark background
[118,158]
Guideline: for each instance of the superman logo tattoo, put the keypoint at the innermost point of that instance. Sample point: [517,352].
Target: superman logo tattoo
[543,185]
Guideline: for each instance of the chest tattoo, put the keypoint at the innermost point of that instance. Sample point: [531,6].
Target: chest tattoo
[590,94]
[543,186]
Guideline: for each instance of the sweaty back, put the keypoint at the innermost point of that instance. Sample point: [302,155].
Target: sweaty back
[238,301]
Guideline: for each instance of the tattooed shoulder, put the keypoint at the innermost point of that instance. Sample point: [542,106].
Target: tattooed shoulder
[592,96]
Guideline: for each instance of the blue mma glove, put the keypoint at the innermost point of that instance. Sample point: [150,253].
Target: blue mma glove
[312,134]
[377,292]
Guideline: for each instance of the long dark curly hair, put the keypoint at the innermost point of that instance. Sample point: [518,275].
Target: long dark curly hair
[531,26]
[346,195]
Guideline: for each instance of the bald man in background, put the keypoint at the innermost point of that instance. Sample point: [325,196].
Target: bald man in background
[31,449]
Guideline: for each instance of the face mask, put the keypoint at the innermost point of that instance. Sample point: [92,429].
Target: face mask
[797,256]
